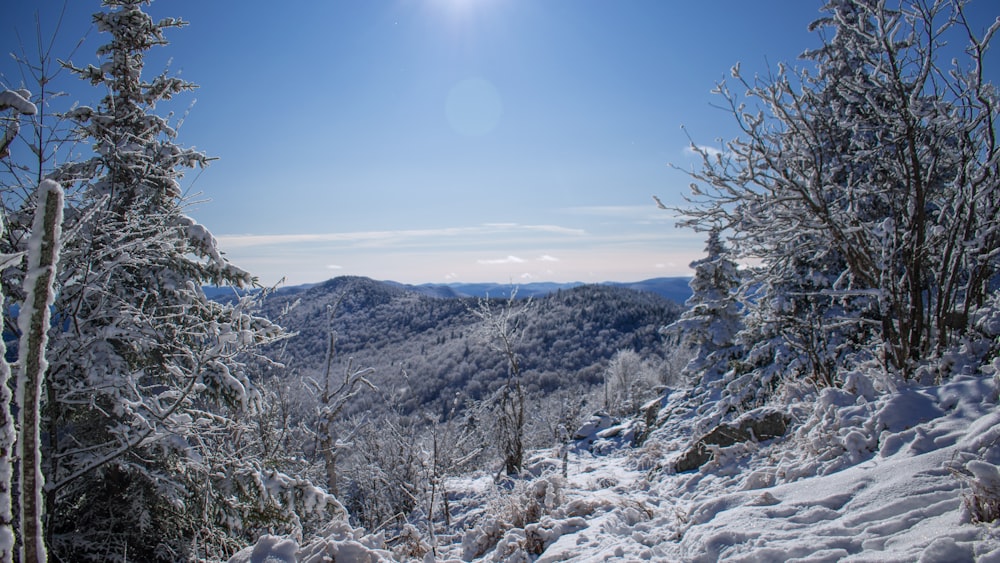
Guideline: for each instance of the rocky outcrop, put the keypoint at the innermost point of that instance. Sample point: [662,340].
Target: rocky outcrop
[756,425]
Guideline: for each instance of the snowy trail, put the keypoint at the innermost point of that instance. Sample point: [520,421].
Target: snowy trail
[857,480]
[901,503]
[624,524]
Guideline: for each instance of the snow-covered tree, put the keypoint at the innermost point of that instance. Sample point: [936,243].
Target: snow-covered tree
[870,183]
[385,472]
[334,394]
[149,382]
[713,317]
[628,382]
[501,329]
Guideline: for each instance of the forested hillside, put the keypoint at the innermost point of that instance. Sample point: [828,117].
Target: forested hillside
[425,350]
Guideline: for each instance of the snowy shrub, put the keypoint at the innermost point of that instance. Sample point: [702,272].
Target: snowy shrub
[522,544]
[982,502]
[519,507]
[860,384]
[526,503]
[511,548]
[984,343]
[539,536]
[409,545]
[864,217]
[482,538]
[652,454]
[836,429]
[338,541]
[385,473]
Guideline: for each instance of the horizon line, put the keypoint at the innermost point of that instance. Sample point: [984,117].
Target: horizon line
[280,284]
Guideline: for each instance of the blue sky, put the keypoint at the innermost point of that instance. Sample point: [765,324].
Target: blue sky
[450,140]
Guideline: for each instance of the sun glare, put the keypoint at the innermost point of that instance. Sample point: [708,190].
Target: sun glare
[459,9]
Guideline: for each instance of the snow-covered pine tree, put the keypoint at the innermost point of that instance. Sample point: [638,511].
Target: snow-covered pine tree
[148,380]
[713,316]
[877,169]
[796,327]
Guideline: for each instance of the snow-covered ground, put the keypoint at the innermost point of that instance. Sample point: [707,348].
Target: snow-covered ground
[882,478]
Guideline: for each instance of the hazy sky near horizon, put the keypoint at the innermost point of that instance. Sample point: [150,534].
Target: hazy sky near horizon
[448,140]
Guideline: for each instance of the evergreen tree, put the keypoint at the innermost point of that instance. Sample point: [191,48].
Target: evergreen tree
[149,383]
[713,317]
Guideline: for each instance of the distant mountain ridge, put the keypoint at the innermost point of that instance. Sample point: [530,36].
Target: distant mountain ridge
[676,289]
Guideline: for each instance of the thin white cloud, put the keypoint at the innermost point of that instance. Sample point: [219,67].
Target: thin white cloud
[620,250]
[554,229]
[517,227]
[507,260]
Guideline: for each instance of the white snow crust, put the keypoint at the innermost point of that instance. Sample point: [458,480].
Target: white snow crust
[885,479]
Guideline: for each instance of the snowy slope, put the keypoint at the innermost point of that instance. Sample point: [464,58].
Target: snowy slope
[855,480]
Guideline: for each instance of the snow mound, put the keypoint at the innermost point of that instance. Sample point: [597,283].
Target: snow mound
[337,542]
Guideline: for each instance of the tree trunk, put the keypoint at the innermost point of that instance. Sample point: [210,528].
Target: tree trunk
[43,255]
[7,441]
